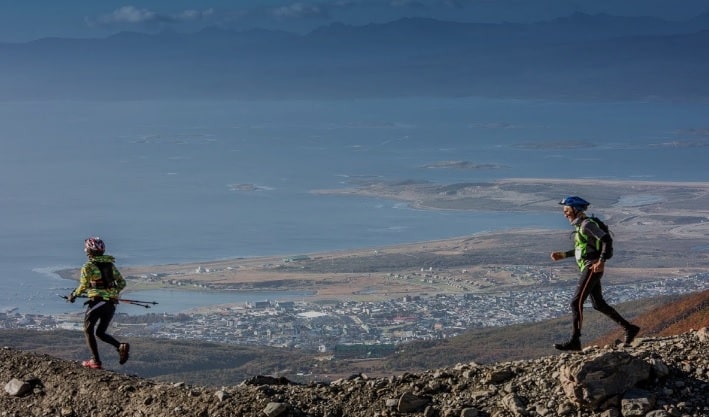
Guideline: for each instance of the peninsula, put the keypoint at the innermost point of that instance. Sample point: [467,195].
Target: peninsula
[661,230]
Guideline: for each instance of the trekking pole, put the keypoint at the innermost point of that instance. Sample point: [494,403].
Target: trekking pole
[145,304]
[138,302]
[125,300]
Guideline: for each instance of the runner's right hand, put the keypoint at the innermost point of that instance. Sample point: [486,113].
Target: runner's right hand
[557,255]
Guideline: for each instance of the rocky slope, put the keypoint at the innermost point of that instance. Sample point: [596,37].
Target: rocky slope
[662,376]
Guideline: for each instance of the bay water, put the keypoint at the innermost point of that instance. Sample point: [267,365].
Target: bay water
[187,181]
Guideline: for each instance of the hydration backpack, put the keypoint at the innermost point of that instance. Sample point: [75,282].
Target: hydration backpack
[107,280]
[604,227]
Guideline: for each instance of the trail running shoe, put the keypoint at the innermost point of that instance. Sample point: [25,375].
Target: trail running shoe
[573,344]
[91,364]
[630,333]
[123,349]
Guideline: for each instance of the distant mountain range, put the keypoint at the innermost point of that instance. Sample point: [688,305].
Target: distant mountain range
[578,57]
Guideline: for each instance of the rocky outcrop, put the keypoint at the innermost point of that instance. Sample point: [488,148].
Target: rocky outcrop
[608,375]
[655,377]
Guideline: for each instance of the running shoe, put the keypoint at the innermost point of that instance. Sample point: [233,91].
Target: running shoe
[573,344]
[91,364]
[630,333]
[123,349]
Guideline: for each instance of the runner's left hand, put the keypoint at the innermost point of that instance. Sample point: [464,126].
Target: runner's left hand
[598,266]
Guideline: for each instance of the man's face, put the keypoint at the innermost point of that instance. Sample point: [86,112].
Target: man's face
[570,213]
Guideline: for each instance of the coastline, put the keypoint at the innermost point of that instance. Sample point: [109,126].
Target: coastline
[662,233]
[525,194]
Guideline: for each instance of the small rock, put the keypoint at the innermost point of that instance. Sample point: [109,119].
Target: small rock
[409,403]
[275,409]
[17,388]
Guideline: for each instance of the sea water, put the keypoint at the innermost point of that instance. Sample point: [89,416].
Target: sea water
[183,181]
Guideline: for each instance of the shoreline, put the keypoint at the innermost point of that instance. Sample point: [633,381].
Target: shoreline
[661,234]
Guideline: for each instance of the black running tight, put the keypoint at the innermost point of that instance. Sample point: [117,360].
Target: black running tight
[590,286]
[100,312]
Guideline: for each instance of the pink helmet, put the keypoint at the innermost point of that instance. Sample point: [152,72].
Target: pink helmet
[94,245]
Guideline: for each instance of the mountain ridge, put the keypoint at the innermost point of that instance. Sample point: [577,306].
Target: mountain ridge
[216,364]
[678,315]
[531,340]
[580,57]
[654,376]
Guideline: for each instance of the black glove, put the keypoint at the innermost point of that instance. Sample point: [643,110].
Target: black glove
[71,298]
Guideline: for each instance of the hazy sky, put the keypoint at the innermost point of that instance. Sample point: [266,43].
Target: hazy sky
[25,20]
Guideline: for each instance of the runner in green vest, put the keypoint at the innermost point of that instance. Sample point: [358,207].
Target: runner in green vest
[102,283]
[591,244]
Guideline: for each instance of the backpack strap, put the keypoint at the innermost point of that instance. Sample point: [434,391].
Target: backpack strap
[583,238]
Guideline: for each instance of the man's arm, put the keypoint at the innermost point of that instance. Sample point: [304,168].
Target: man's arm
[591,228]
[561,255]
[605,240]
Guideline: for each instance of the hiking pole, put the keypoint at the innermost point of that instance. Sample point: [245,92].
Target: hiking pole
[122,300]
[138,302]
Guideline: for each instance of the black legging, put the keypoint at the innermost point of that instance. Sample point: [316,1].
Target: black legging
[590,285]
[100,312]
